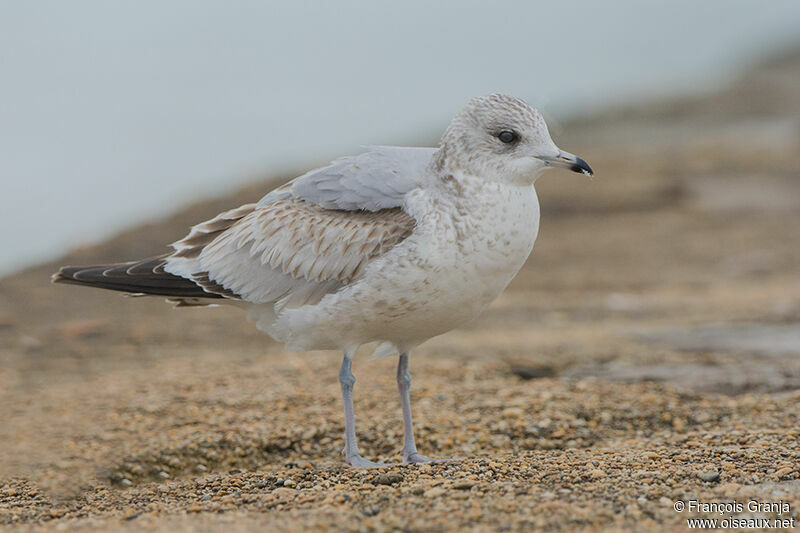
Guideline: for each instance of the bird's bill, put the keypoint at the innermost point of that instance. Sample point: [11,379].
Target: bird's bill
[570,161]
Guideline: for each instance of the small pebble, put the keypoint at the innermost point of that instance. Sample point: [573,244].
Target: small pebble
[435,492]
[464,484]
[387,479]
[371,511]
[709,476]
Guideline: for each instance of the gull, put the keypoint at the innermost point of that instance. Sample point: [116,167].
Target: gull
[393,246]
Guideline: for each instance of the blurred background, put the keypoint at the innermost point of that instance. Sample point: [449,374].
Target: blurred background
[648,349]
[111,114]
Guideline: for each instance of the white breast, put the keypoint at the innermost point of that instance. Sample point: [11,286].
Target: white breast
[471,239]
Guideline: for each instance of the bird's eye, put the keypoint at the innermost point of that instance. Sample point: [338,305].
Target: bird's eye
[508,136]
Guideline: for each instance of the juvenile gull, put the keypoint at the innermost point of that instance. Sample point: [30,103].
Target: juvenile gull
[394,246]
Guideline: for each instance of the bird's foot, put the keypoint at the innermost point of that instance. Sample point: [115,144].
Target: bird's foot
[359,462]
[414,457]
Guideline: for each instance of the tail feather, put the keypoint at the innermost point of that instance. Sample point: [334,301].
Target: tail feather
[135,277]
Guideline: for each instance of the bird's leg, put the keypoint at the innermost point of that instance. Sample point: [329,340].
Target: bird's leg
[410,454]
[347,379]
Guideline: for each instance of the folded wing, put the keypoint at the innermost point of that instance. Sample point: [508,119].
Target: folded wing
[310,237]
[290,252]
[302,241]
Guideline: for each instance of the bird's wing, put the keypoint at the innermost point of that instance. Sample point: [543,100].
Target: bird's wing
[308,238]
[375,180]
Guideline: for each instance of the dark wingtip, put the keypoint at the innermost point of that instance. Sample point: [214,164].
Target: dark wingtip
[60,276]
[68,274]
[137,277]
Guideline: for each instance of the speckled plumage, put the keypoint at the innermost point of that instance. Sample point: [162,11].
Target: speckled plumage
[471,237]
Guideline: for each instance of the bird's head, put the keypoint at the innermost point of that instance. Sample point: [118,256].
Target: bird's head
[504,137]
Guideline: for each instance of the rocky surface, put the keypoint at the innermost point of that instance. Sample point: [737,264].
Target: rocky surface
[647,353]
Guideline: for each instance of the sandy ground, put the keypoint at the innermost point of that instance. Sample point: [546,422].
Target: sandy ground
[647,353]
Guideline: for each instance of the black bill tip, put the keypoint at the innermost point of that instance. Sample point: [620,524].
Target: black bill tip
[581,166]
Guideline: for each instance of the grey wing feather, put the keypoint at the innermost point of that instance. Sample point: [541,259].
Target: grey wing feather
[375,180]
